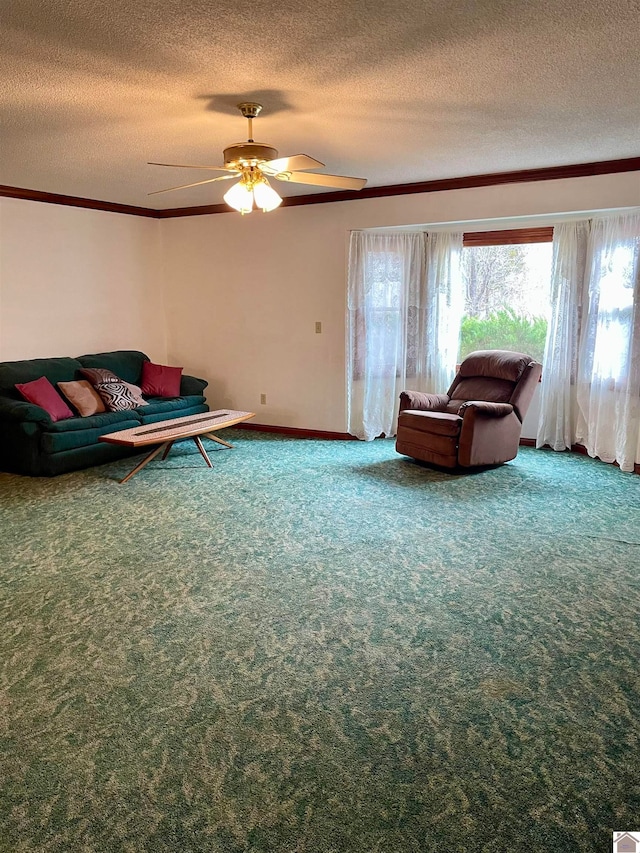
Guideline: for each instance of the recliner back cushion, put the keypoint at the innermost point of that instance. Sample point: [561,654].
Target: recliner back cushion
[498,364]
[483,388]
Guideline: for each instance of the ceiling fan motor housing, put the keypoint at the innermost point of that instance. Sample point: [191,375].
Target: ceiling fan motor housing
[246,153]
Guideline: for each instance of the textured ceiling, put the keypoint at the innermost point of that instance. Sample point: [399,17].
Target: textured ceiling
[396,92]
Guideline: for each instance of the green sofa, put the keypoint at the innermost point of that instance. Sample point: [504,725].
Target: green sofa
[31,443]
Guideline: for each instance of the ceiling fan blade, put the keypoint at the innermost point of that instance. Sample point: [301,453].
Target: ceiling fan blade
[197,184]
[299,162]
[340,181]
[186,166]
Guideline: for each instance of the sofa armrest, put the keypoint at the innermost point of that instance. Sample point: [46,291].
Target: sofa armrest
[420,401]
[491,410]
[19,411]
[191,385]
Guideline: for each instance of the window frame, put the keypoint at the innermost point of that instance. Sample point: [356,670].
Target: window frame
[508,237]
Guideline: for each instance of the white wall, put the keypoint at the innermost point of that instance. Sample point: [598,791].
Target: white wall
[76,281]
[244,293]
[241,294]
[243,298]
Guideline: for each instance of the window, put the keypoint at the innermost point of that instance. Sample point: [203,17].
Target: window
[507,276]
[383,313]
[614,316]
[384,286]
[377,332]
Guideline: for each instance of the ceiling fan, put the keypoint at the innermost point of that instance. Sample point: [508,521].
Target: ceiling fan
[253,163]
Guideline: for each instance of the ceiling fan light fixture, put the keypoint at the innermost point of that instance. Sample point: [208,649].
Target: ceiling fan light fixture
[252,161]
[240,197]
[265,196]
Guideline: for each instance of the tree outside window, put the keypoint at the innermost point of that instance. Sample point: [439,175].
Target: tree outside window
[507,303]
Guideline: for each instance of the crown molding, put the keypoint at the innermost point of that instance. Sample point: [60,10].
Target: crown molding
[550,173]
[75,201]
[199,210]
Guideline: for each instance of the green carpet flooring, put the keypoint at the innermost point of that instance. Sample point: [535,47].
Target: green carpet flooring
[320,647]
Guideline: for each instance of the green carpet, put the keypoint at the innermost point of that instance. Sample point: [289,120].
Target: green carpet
[320,647]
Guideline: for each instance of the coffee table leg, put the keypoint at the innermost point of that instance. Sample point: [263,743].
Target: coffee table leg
[167,449]
[219,440]
[145,461]
[200,446]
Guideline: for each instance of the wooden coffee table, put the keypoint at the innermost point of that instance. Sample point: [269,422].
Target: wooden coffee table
[165,433]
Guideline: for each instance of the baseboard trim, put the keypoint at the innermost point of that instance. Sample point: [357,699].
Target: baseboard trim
[345,436]
[297,432]
[576,448]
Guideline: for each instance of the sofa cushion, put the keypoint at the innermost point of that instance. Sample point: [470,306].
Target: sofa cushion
[194,409]
[52,464]
[105,421]
[57,440]
[136,393]
[116,396]
[82,396]
[170,407]
[55,369]
[160,380]
[127,364]
[125,396]
[98,375]
[41,393]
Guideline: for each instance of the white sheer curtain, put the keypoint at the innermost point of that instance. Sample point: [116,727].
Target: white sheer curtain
[405,302]
[445,295]
[608,421]
[556,426]
[386,306]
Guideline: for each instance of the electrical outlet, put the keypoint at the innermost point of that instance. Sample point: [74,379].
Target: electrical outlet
[318,327]
[263,399]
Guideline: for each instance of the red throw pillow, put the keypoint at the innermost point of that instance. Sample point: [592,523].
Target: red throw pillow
[158,380]
[41,393]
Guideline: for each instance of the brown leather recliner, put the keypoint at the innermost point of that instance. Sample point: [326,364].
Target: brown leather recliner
[479,420]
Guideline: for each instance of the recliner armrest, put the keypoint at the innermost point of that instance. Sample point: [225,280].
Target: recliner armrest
[420,401]
[489,434]
[494,410]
